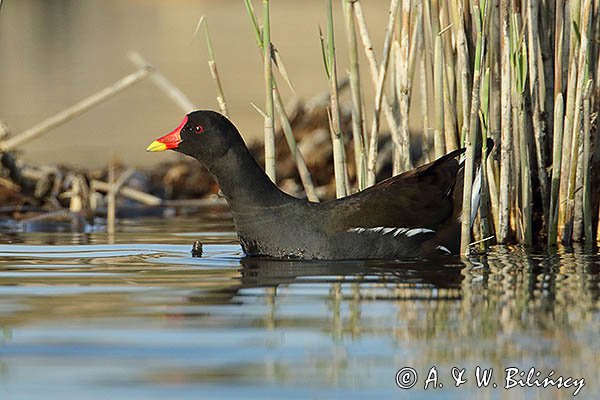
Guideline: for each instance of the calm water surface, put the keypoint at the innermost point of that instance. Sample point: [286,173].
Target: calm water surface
[140,318]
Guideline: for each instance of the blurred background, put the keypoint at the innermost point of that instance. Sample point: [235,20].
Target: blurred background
[55,52]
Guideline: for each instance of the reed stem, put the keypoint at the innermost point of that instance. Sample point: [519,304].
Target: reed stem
[439,142]
[556,169]
[268,75]
[381,76]
[506,149]
[360,156]
[339,152]
[214,72]
[471,133]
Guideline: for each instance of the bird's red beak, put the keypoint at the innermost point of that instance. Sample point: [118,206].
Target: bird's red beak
[170,141]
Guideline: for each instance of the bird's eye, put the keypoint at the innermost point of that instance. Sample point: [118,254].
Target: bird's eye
[199,128]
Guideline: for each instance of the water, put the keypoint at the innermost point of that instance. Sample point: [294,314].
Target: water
[142,319]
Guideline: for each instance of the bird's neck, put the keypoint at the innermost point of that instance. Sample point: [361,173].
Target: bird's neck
[243,182]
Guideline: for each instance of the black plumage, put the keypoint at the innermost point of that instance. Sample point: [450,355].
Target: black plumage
[414,214]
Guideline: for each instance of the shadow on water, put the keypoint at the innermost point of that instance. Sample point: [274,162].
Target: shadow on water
[141,316]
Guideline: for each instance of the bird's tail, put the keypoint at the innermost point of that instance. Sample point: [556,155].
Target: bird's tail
[476,188]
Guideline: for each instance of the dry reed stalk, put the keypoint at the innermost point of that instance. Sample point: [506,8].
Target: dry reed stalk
[111,201]
[492,182]
[268,76]
[537,99]
[523,144]
[113,190]
[448,76]
[556,169]
[582,73]
[214,72]
[381,76]
[558,47]
[450,128]
[449,73]
[577,230]
[373,69]
[429,29]
[494,55]
[525,165]
[546,64]
[439,142]
[360,157]
[403,90]
[303,171]
[471,132]
[574,8]
[484,123]
[75,110]
[586,193]
[130,193]
[416,37]
[339,156]
[506,148]
[166,86]
[462,65]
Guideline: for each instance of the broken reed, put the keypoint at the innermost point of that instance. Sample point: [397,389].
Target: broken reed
[524,73]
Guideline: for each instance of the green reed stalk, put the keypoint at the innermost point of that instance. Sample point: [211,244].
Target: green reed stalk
[214,72]
[556,169]
[303,170]
[339,156]
[360,156]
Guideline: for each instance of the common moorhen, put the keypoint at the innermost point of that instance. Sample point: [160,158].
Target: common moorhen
[414,214]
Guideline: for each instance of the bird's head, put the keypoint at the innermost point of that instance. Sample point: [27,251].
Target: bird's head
[204,135]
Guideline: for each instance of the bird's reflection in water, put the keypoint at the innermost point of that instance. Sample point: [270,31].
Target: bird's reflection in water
[498,293]
[264,272]
[414,279]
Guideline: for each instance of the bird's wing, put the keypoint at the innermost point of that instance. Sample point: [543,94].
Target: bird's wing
[421,198]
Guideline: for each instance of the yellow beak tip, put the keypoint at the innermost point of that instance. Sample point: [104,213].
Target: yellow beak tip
[156,146]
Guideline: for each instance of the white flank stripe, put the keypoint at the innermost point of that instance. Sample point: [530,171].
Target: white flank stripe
[444,249]
[408,232]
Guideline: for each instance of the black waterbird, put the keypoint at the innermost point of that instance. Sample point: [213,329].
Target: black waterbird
[414,214]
